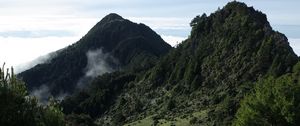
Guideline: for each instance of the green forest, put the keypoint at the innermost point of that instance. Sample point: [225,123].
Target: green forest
[233,69]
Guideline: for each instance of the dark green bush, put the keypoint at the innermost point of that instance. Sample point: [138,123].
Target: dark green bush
[273,102]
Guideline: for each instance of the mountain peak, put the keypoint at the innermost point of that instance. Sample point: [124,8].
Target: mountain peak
[112,17]
[234,13]
[241,10]
[125,43]
[236,4]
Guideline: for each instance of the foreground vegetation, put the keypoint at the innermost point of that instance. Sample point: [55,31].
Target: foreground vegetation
[17,108]
[274,101]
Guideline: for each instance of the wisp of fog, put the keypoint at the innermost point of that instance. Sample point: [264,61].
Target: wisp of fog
[98,63]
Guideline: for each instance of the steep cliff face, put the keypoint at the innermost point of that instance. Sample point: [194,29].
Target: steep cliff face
[112,44]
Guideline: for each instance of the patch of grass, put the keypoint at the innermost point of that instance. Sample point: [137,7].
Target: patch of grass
[178,121]
[148,121]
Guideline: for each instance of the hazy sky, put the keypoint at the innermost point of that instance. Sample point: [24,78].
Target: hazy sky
[31,28]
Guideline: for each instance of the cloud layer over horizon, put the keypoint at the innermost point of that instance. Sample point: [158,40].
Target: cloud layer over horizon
[30,29]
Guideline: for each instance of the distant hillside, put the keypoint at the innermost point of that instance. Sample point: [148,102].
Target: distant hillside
[201,82]
[112,44]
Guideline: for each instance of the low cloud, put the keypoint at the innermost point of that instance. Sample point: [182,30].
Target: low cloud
[98,63]
[295,44]
[36,34]
[18,52]
[42,93]
[173,40]
[42,59]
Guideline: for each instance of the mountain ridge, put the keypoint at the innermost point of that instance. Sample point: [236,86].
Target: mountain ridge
[200,82]
[114,35]
[203,78]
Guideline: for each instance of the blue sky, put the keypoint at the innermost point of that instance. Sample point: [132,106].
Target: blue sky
[36,27]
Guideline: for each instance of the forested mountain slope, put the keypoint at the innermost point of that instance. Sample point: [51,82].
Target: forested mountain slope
[112,44]
[201,82]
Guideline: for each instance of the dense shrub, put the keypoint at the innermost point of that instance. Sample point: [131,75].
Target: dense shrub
[274,101]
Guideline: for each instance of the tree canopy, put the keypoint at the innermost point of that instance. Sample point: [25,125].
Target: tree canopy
[274,101]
